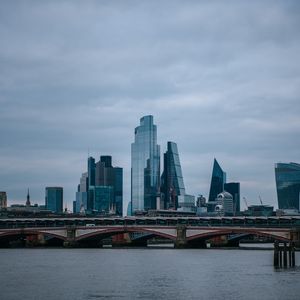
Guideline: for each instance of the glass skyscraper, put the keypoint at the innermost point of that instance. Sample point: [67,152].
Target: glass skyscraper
[101,187]
[218,179]
[234,189]
[287,177]
[172,186]
[54,199]
[145,166]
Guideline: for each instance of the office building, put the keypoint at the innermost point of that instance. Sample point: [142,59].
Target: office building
[54,199]
[233,188]
[172,186]
[287,177]
[101,188]
[103,199]
[145,166]
[3,200]
[224,204]
[218,179]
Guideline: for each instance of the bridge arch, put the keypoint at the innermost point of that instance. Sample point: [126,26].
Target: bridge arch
[27,232]
[277,235]
[113,231]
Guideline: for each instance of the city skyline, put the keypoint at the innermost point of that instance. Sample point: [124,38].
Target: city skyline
[225,89]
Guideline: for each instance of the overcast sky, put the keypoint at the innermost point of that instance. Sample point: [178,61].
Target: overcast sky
[221,78]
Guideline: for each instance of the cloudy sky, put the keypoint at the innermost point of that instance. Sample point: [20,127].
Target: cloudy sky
[222,79]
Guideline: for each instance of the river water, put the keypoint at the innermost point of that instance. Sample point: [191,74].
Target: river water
[42,274]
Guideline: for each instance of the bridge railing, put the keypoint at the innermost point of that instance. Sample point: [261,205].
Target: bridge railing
[273,222]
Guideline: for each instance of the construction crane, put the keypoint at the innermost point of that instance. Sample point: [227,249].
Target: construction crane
[245,200]
[260,200]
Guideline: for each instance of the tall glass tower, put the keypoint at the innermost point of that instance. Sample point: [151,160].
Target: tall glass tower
[218,179]
[287,177]
[145,166]
[172,186]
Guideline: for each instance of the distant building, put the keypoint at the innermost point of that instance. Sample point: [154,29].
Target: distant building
[145,166]
[224,204]
[259,210]
[129,209]
[54,199]
[3,200]
[28,199]
[233,188]
[287,177]
[188,204]
[218,179]
[101,188]
[172,186]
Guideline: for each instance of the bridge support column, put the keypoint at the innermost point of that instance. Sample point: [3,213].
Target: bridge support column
[295,237]
[180,241]
[71,236]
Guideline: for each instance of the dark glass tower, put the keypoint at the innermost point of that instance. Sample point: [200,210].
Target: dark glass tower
[287,177]
[233,188]
[54,199]
[101,188]
[145,166]
[218,179]
[172,186]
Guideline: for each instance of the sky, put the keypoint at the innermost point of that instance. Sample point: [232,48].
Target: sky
[221,78]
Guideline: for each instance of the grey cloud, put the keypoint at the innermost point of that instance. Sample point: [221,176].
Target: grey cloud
[221,79]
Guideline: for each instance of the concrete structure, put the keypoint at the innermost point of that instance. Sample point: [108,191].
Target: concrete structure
[184,232]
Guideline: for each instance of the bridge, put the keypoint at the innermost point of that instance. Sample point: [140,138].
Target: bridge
[183,231]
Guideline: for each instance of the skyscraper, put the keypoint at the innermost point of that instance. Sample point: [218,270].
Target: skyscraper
[101,188]
[218,179]
[3,200]
[54,199]
[172,186]
[145,166]
[287,177]
[234,189]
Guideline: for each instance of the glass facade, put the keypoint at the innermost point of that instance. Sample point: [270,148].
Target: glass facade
[287,177]
[101,174]
[172,186]
[103,198]
[54,199]
[218,179]
[233,188]
[145,166]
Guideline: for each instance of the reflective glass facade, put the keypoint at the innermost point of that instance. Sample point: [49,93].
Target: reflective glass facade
[218,179]
[54,199]
[103,198]
[145,166]
[101,174]
[233,188]
[287,177]
[172,186]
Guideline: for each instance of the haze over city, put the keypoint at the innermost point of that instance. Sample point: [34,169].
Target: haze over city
[221,81]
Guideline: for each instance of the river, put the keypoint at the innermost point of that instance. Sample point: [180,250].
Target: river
[89,274]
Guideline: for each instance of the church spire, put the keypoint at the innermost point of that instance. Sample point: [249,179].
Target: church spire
[28,198]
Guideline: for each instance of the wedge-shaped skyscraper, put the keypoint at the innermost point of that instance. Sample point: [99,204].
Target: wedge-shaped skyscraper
[145,166]
[218,179]
[172,186]
[287,177]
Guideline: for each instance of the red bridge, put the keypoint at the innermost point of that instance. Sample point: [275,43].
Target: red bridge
[184,232]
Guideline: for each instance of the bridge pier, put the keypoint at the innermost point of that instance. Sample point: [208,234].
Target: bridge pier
[180,241]
[284,255]
[295,237]
[70,241]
